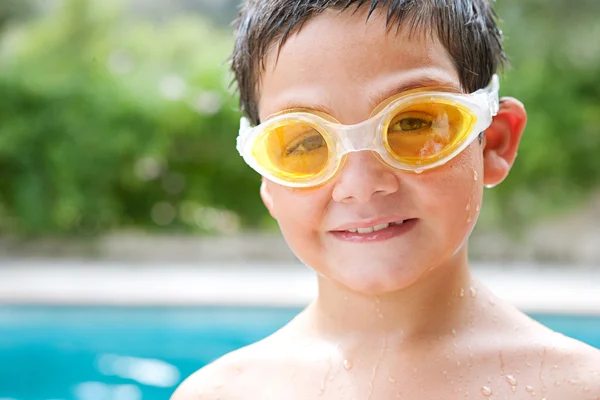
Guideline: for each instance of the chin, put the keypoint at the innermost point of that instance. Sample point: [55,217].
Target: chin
[378,278]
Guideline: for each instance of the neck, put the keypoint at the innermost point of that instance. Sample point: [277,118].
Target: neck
[436,304]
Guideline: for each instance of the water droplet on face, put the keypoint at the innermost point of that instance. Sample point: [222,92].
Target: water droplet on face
[347,364]
[478,208]
[458,363]
[391,379]
[572,382]
[454,332]
[468,207]
[473,292]
[469,220]
[462,292]
[486,390]
[489,186]
[475,176]
[419,171]
[511,380]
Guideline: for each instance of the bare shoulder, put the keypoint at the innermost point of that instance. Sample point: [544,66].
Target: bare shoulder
[543,364]
[571,369]
[222,379]
[236,374]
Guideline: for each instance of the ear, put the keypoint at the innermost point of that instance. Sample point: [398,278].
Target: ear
[502,140]
[266,197]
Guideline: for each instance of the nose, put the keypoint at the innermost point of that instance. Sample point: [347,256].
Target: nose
[362,177]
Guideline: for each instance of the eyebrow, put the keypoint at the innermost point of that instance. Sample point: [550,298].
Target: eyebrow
[418,83]
[375,100]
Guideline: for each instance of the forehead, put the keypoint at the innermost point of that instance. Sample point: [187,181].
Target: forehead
[342,62]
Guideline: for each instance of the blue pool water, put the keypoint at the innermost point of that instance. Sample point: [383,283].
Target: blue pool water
[70,353]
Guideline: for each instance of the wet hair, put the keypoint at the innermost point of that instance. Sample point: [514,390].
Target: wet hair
[466,28]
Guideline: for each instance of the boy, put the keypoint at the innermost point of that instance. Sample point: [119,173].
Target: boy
[376,126]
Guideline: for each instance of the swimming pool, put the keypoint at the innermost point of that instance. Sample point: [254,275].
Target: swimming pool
[102,353]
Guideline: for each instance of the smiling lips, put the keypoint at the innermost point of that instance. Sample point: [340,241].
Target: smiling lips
[374,228]
[370,232]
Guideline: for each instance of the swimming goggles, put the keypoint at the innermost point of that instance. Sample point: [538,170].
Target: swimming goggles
[414,131]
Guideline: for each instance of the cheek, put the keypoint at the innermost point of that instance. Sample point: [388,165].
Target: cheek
[299,213]
[452,194]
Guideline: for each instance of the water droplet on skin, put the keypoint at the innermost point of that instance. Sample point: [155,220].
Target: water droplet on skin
[528,364]
[489,186]
[469,220]
[511,380]
[458,363]
[392,380]
[462,292]
[419,171]
[478,208]
[556,383]
[468,207]
[347,364]
[473,292]
[475,176]
[572,382]
[454,332]
[324,382]
[486,390]
[529,389]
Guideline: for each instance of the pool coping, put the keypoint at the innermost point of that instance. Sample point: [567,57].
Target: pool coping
[530,288]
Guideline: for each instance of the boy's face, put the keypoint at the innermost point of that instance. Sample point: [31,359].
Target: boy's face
[340,64]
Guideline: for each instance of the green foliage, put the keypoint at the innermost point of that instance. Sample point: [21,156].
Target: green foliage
[13,9]
[108,122]
[555,55]
[111,122]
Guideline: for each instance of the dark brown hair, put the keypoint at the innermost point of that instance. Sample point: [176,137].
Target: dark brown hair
[466,28]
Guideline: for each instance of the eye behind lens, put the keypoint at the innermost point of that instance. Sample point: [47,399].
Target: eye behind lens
[292,150]
[421,133]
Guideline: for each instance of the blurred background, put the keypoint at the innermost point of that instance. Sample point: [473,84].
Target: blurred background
[134,247]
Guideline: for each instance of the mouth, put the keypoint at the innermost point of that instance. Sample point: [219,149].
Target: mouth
[374,232]
[374,228]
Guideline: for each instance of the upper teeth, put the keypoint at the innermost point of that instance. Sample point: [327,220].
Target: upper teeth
[374,228]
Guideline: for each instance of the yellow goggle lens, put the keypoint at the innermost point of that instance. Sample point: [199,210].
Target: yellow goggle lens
[292,150]
[422,133]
